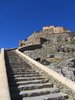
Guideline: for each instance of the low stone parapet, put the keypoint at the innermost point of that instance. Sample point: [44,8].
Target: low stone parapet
[4,88]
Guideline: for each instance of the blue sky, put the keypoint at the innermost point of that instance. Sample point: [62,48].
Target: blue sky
[19,18]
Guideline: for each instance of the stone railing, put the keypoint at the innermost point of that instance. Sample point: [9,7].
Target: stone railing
[49,71]
[4,88]
[30,47]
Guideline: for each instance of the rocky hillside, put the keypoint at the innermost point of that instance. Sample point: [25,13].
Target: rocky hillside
[55,48]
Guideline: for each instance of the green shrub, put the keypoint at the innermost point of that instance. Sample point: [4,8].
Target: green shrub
[45,62]
[73,41]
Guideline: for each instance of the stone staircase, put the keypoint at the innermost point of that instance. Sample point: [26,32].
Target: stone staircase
[25,83]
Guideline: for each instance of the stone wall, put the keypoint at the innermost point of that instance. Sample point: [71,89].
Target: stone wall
[4,87]
[30,47]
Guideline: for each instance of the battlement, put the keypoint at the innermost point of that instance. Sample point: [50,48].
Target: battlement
[53,29]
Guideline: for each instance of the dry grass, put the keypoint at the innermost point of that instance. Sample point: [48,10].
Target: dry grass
[54,60]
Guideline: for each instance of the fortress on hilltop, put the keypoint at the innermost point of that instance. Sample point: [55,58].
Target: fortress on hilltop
[49,33]
[53,29]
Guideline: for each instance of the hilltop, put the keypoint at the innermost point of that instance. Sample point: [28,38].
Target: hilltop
[48,33]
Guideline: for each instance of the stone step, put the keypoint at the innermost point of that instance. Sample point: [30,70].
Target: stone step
[20,72]
[54,96]
[22,69]
[34,86]
[38,92]
[23,74]
[30,75]
[28,78]
[19,67]
[32,82]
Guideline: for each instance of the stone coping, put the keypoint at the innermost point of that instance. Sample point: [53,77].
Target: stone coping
[50,72]
[4,88]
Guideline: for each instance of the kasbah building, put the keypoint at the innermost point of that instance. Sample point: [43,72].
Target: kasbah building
[54,29]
